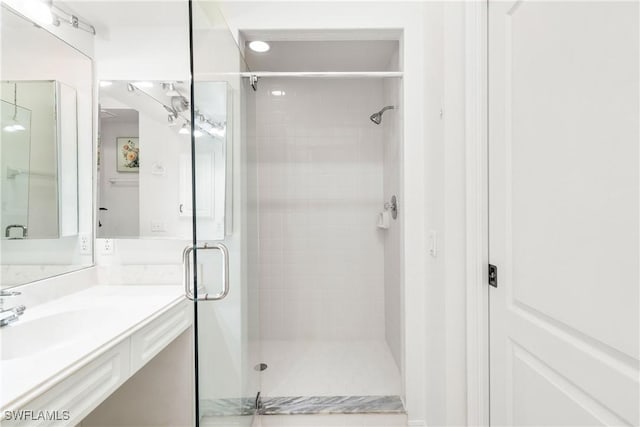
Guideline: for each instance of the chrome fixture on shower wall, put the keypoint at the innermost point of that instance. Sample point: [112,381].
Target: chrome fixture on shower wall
[377,117]
[392,206]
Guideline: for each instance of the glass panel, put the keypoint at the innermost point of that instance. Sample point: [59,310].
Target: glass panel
[16,145]
[226,330]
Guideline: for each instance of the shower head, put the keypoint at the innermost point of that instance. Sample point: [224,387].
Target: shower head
[377,117]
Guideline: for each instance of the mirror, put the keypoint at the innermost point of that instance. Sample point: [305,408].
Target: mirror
[46,151]
[144,160]
[40,160]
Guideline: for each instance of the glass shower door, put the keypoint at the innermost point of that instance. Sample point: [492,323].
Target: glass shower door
[221,271]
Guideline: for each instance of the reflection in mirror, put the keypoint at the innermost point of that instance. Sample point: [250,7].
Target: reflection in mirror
[45,149]
[39,200]
[144,161]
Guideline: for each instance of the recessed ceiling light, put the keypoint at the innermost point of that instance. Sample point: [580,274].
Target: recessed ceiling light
[259,46]
[105,83]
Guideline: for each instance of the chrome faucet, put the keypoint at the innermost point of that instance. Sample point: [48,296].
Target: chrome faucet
[12,314]
[23,229]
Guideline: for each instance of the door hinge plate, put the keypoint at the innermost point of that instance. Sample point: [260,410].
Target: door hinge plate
[493,275]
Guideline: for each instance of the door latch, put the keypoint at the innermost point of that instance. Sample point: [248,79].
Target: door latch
[493,275]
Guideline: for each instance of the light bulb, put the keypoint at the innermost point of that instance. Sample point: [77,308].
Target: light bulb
[39,11]
[259,46]
[184,130]
[13,127]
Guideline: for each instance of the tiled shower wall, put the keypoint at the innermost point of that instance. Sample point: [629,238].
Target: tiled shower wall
[393,308]
[320,184]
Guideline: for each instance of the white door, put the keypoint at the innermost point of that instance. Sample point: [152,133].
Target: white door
[563,208]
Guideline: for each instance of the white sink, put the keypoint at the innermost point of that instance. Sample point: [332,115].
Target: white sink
[31,336]
[55,339]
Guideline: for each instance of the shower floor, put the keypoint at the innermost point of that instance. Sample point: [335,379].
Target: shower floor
[329,368]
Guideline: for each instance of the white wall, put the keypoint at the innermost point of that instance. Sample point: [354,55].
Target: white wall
[445,208]
[121,199]
[320,171]
[148,52]
[161,147]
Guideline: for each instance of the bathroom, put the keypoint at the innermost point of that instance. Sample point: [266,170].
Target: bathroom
[312,231]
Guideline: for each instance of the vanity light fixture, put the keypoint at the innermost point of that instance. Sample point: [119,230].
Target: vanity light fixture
[170,89]
[14,127]
[44,12]
[217,132]
[143,85]
[105,83]
[40,11]
[278,93]
[184,130]
[259,46]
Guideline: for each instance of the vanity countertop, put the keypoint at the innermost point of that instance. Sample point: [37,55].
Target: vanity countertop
[53,340]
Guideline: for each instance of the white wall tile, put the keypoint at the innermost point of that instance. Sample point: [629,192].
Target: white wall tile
[320,164]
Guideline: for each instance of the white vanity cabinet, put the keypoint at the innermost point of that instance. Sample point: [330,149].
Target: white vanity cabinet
[69,389]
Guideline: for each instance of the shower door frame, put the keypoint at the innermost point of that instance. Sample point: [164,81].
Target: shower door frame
[192,275]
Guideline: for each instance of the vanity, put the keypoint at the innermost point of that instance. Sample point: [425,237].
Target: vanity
[68,337]
[70,354]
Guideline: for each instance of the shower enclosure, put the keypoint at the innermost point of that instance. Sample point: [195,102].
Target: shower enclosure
[330,248]
[299,304]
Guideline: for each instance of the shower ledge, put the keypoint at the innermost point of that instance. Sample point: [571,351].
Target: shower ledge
[73,352]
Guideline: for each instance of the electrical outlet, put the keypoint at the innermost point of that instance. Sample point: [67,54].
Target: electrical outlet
[85,245]
[158,226]
[433,243]
[107,246]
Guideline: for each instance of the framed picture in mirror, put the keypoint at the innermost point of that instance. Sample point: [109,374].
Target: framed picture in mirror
[128,154]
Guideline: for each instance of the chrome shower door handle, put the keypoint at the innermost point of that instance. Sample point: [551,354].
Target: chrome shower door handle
[186,269]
